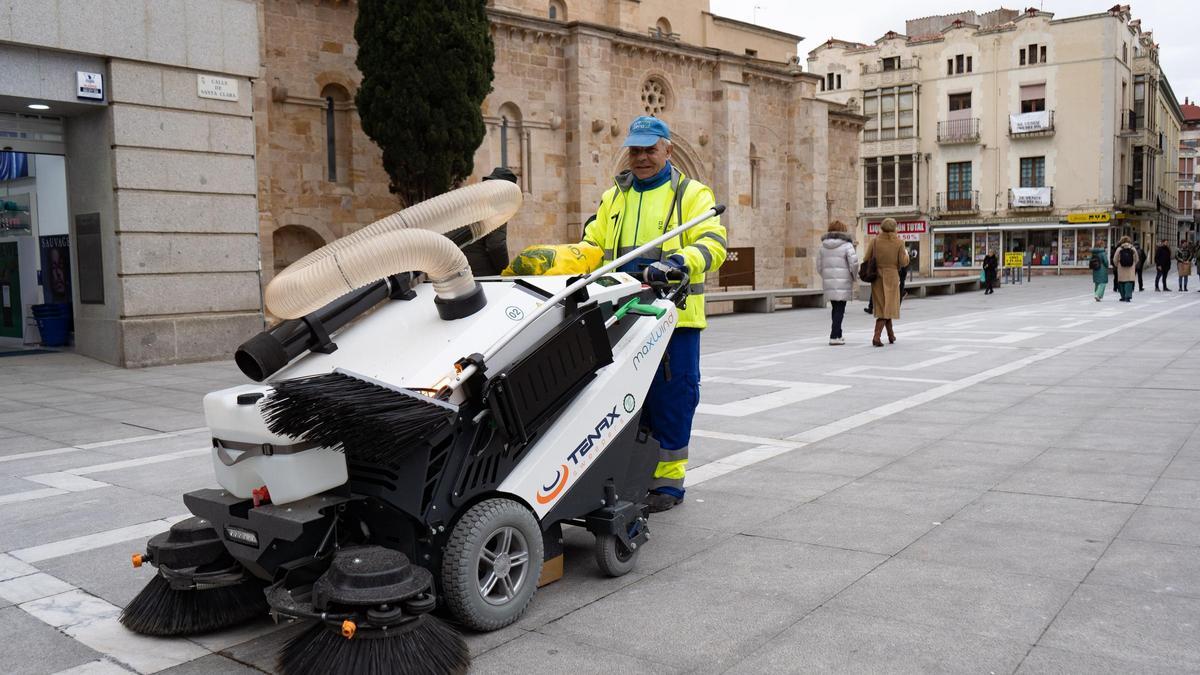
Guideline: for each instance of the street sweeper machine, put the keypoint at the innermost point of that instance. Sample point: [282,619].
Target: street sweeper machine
[413,445]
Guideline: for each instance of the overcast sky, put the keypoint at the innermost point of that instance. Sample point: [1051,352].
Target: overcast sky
[1176,28]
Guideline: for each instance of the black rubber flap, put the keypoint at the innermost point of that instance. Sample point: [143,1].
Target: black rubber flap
[189,543]
[366,576]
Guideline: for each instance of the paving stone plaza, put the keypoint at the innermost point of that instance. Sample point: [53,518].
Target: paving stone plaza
[1014,486]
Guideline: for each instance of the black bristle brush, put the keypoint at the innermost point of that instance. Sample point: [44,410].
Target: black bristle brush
[425,646]
[162,610]
[368,420]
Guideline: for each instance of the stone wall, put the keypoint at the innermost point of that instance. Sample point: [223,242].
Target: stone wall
[308,55]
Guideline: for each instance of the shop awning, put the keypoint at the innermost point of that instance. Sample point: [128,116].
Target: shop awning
[1010,227]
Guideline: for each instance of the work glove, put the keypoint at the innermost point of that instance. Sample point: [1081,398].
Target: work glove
[660,272]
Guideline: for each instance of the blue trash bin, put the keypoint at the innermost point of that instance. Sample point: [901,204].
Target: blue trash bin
[52,321]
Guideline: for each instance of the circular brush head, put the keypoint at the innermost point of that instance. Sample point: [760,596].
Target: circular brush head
[426,647]
[162,610]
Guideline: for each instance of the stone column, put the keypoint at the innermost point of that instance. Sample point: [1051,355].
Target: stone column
[731,178]
[588,120]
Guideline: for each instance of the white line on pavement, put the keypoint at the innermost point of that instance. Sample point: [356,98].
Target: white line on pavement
[93,541]
[30,495]
[95,668]
[38,453]
[66,481]
[754,455]
[140,461]
[742,438]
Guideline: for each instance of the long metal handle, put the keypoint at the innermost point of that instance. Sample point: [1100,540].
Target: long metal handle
[580,283]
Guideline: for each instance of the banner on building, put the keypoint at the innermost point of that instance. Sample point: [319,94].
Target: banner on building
[13,165]
[1025,123]
[55,251]
[1080,218]
[1031,196]
[908,230]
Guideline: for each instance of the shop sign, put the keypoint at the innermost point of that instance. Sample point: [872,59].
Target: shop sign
[15,215]
[1025,123]
[1031,196]
[1076,218]
[1014,259]
[89,85]
[219,88]
[908,230]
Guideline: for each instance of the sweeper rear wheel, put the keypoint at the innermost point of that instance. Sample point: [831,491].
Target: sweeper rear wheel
[612,557]
[491,564]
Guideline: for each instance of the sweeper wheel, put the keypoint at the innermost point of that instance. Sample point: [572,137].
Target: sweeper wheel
[613,559]
[492,563]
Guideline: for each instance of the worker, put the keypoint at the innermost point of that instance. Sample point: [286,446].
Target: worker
[489,255]
[649,198]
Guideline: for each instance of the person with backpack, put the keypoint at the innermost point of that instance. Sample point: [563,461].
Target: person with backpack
[1125,262]
[1099,266]
[1183,260]
[1162,264]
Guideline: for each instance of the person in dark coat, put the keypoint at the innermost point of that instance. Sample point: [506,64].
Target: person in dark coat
[1112,258]
[991,266]
[1141,264]
[1162,264]
[489,256]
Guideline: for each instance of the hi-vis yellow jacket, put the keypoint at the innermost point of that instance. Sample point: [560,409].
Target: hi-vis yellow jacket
[627,218]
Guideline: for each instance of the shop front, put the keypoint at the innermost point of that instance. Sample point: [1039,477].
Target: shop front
[1052,248]
[915,232]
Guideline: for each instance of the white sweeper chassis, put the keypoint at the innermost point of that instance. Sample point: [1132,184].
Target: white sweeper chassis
[418,454]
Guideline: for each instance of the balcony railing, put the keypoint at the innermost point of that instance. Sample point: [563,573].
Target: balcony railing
[1024,125]
[958,131]
[660,34]
[1031,199]
[1131,122]
[885,66]
[957,201]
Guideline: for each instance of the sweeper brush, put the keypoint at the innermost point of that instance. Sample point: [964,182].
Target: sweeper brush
[164,611]
[369,421]
[415,442]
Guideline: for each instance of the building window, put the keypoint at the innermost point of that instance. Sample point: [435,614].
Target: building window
[338,133]
[755,176]
[958,65]
[892,113]
[1033,54]
[752,53]
[514,143]
[891,63]
[958,186]
[655,98]
[1124,52]
[839,81]
[663,27]
[558,10]
[1033,172]
[829,81]
[1033,98]
[953,250]
[890,181]
[960,101]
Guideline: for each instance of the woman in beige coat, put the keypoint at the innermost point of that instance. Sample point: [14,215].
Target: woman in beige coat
[890,255]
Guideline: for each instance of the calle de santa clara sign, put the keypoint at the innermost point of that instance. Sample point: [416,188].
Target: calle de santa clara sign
[219,88]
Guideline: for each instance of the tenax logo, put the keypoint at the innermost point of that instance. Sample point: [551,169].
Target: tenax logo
[551,491]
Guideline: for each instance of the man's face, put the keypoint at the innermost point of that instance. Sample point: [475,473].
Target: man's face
[645,162]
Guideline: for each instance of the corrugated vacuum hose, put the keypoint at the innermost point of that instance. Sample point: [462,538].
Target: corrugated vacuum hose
[408,240]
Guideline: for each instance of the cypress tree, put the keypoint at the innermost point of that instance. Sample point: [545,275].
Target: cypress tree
[426,66]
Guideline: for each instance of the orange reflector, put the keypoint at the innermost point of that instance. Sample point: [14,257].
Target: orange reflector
[137,559]
[348,629]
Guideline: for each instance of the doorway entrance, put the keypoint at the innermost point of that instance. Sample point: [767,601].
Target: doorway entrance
[35,241]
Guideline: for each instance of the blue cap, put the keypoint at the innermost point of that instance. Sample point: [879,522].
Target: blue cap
[645,131]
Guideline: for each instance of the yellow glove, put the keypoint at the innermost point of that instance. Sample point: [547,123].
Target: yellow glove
[555,259]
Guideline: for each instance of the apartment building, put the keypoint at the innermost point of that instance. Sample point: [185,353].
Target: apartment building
[1189,187]
[1010,131]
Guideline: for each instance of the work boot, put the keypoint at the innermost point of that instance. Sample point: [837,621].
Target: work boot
[661,501]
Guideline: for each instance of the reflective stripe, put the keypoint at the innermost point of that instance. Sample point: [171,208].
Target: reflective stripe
[671,456]
[716,237]
[704,253]
[696,289]
[650,253]
[669,474]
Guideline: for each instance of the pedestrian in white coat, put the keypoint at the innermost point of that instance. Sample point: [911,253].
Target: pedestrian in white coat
[838,264]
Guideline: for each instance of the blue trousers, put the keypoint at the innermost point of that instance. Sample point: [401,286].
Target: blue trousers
[671,405]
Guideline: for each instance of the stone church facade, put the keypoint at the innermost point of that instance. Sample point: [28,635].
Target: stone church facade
[569,77]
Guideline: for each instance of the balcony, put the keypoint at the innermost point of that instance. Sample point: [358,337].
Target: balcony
[1139,197]
[957,202]
[660,34]
[1031,199]
[1186,181]
[1131,121]
[958,131]
[888,65]
[1028,125]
